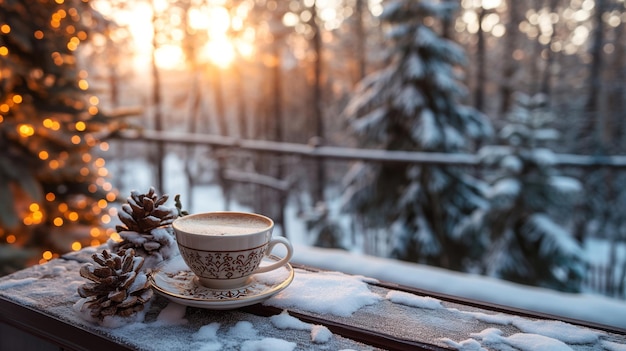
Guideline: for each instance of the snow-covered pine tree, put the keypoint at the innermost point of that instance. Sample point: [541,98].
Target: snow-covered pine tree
[414,104]
[519,236]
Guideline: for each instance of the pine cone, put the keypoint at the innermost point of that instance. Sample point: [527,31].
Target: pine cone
[147,227]
[117,288]
[144,212]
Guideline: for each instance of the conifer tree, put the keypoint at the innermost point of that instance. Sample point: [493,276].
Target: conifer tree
[52,187]
[518,234]
[414,104]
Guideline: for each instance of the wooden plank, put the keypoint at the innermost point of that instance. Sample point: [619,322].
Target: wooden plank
[53,330]
[369,337]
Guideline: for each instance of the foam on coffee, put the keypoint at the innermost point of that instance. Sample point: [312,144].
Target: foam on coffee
[222,224]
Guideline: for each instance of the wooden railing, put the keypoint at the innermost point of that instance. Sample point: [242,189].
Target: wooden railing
[313,150]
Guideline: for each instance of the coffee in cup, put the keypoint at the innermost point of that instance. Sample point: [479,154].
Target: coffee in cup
[224,249]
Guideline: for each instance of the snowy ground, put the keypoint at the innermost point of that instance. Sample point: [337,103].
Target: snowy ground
[587,307]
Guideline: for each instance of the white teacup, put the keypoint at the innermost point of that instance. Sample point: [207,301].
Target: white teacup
[224,249]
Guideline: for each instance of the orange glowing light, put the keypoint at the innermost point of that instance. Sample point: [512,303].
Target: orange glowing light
[83,84]
[5,29]
[102,203]
[43,155]
[104,146]
[11,239]
[33,207]
[58,221]
[100,162]
[92,188]
[17,99]
[72,216]
[115,237]
[94,232]
[111,197]
[63,207]
[80,126]
[53,164]
[26,130]
[76,246]
[38,34]
[105,218]
[92,110]
[75,139]
[50,197]
[47,255]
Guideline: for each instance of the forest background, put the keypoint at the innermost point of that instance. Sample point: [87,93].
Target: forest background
[520,105]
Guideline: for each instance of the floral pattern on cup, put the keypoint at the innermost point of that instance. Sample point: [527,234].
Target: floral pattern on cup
[223,264]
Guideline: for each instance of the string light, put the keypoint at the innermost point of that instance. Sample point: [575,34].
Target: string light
[76,246]
[58,221]
[47,255]
[25,130]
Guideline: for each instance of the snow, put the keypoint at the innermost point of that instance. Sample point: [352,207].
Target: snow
[319,333]
[332,293]
[413,300]
[268,344]
[586,307]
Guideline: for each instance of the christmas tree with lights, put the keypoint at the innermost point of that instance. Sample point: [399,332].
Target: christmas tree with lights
[54,194]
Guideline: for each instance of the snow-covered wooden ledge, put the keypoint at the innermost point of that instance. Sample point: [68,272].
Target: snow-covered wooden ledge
[319,310]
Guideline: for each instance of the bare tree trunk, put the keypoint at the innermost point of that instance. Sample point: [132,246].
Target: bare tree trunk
[594,120]
[509,64]
[278,130]
[360,40]
[218,90]
[316,41]
[617,92]
[479,89]
[156,101]
[241,103]
[547,73]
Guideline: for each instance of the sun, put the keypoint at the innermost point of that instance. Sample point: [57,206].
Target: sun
[219,51]
[169,56]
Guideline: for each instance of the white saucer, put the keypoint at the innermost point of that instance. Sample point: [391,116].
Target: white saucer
[175,281]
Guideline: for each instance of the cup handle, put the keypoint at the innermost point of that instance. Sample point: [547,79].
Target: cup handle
[282,261]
